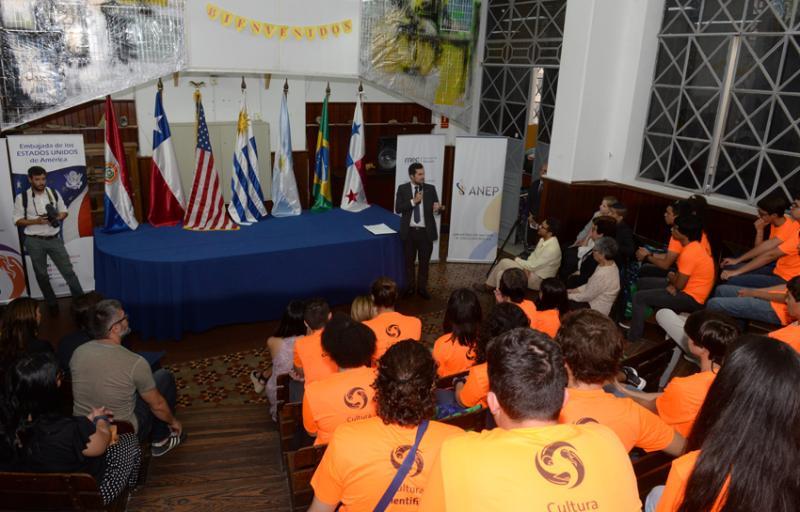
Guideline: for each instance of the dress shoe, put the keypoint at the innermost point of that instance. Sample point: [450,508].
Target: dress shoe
[424,294]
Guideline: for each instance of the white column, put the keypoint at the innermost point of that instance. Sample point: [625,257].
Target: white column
[607,64]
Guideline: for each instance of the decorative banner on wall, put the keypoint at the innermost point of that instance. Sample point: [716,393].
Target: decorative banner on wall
[264,36]
[64,159]
[477,195]
[429,151]
[55,55]
[12,274]
[282,32]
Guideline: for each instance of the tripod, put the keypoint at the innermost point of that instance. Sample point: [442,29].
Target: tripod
[522,220]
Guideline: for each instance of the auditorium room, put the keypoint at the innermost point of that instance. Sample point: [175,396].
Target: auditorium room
[400,255]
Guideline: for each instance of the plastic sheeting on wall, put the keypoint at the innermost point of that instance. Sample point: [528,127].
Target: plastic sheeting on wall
[61,53]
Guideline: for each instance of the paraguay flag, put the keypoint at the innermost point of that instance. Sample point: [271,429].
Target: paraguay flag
[118,205]
[166,193]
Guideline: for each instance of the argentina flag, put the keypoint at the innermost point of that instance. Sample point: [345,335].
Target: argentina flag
[247,199]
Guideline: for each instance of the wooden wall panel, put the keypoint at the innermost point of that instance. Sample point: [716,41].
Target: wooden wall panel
[575,203]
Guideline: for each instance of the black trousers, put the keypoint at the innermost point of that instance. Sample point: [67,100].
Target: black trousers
[417,245]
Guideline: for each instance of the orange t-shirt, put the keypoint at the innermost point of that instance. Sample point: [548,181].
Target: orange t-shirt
[679,474]
[788,265]
[635,425]
[698,265]
[558,467]
[309,356]
[529,308]
[682,399]
[676,247]
[363,457]
[547,321]
[784,231]
[343,397]
[476,387]
[451,356]
[789,335]
[391,327]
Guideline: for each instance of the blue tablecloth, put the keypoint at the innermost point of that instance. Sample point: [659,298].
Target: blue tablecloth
[171,280]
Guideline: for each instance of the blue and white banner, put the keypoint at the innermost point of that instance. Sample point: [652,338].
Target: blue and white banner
[64,159]
[12,273]
[477,195]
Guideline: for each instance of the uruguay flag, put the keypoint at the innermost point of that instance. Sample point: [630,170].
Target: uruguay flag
[118,206]
[247,199]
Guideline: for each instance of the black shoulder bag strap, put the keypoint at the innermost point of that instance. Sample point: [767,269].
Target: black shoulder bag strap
[402,472]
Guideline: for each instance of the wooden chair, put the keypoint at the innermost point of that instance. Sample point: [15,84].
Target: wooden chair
[472,421]
[651,470]
[54,491]
[448,381]
[300,466]
[282,389]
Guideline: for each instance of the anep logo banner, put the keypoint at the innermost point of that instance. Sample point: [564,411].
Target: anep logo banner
[12,274]
[64,159]
[477,195]
[429,151]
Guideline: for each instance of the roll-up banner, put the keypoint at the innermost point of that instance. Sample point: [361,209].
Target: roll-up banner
[64,159]
[477,195]
[429,151]
[12,273]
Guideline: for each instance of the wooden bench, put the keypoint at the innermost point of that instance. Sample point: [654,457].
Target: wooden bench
[651,470]
[651,362]
[300,467]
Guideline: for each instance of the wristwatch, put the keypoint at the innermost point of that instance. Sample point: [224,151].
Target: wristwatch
[101,417]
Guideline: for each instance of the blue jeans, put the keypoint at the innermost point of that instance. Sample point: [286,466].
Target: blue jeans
[150,427]
[651,503]
[726,300]
[758,278]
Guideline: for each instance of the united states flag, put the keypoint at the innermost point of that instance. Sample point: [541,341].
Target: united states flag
[206,209]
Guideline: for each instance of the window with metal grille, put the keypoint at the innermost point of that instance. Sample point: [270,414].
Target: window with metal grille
[725,102]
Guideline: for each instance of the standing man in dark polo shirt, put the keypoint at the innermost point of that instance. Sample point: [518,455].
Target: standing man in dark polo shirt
[417,202]
[42,234]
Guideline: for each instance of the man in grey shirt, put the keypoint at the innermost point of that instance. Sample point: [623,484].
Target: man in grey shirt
[106,374]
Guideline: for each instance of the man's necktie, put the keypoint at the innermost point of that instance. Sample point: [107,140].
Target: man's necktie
[416,206]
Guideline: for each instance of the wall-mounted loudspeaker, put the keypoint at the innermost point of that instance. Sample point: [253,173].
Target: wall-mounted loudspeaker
[387,154]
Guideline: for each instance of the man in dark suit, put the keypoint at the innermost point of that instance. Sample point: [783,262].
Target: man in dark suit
[417,202]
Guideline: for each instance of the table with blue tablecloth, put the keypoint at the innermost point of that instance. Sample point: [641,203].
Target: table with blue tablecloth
[172,280]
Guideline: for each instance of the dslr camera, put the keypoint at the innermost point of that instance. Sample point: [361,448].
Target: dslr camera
[52,215]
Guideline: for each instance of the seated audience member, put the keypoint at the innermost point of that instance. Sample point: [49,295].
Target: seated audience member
[35,437]
[454,351]
[657,265]
[772,261]
[743,450]
[600,292]
[583,237]
[551,305]
[503,317]
[512,288]
[19,331]
[388,325]
[344,396]
[541,264]
[106,374]
[281,351]
[760,304]
[592,347]
[531,462]
[687,289]
[362,308]
[709,335]
[81,313]
[310,361]
[604,226]
[625,241]
[355,470]
[791,333]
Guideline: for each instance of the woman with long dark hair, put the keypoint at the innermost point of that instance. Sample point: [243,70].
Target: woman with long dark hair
[551,304]
[454,351]
[19,331]
[35,437]
[281,350]
[744,448]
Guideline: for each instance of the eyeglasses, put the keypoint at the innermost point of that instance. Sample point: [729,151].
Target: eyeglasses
[118,321]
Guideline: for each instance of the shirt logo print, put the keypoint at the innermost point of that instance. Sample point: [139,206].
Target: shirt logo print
[356,398]
[398,455]
[393,331]
[559,464]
